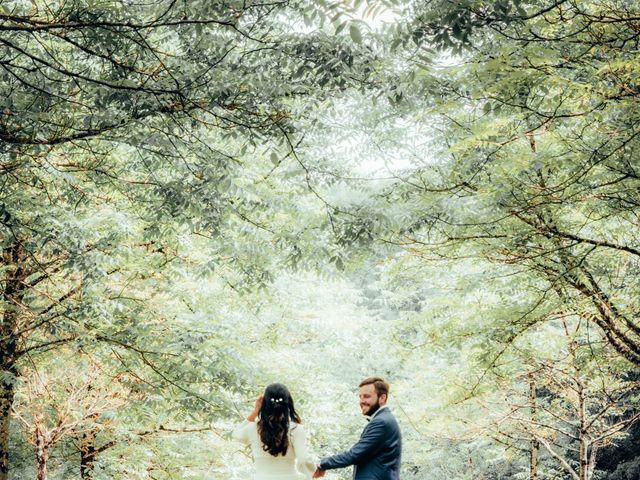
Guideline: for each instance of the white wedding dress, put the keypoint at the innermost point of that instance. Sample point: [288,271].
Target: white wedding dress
[297,464]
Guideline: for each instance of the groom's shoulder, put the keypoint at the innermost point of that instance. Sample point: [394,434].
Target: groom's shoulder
[386,412]
[386,416]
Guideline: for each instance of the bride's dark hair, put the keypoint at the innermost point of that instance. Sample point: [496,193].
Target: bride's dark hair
[276,413]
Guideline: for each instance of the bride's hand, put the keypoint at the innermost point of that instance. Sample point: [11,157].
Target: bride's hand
[256,409]
[258,404]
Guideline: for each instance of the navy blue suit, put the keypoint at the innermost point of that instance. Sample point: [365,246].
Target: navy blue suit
[376,456]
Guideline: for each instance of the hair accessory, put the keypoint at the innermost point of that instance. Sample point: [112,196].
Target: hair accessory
[276,400]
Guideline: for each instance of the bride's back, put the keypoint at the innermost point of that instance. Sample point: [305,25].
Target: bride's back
[278,440]
[282,467]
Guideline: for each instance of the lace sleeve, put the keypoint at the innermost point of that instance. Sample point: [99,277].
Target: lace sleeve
[241,432]
[305,462]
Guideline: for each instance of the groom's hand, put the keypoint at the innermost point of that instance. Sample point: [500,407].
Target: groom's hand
[318,473]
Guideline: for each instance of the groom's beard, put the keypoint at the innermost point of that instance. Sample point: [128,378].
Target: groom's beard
[373,409]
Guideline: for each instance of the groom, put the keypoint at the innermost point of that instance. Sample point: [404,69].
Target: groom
[376,456]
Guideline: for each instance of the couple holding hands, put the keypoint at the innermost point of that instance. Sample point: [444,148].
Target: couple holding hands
[279,442]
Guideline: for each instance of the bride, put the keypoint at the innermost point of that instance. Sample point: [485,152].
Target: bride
[278,440]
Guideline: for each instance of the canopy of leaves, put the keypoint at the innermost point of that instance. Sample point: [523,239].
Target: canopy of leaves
[199,198]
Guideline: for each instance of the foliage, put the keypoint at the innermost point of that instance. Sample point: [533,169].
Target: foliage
[453,184]
[130,135]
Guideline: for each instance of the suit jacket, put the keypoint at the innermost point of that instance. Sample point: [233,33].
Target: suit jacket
[376,456]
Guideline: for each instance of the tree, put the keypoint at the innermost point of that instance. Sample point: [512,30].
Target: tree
[581,401]
[127,126]
[52,406]
[531,164]
[486,404]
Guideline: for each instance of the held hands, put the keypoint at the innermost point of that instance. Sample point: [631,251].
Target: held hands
[319,472]
[256,409]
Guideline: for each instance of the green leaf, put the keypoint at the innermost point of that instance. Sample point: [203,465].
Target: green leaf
[354,33]
[340,27]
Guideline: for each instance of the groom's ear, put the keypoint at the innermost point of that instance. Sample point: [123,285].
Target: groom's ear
[383,398]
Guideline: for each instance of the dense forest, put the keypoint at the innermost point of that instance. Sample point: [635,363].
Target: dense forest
[199,198]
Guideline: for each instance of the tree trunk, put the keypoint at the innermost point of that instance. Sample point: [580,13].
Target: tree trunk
[42,455]
[535,445]
[584,436]
[584,459]
[88,454]
[13,259]
[6,401]
[533,457]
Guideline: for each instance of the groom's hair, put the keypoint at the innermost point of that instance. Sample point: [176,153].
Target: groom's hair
[379,384]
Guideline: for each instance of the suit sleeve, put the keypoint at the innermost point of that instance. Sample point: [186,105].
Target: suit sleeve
[366,447]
